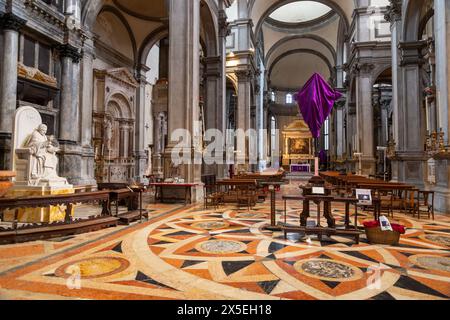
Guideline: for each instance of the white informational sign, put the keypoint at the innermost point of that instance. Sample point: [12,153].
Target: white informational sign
[318,190]
[364,197]
[385,224]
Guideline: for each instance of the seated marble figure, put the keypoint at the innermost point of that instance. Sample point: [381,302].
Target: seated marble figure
[43,160]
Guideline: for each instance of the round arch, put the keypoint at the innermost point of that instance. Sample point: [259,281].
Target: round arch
[90,11]
[120,100]
[308,51]
[119,15]
[379,71]
[208,18]
[150,41]
[332,4]
[415,15]
[302,36]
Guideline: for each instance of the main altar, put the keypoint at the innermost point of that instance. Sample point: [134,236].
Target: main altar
[298,150]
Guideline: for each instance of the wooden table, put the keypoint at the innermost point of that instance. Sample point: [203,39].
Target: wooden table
[122,194]
[318,229]
[161,186]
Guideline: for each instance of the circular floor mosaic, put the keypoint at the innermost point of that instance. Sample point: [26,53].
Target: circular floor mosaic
[210,225]
[439,239]
[328,270]
[221,246]
[431,262]
[93,267]
[250,215]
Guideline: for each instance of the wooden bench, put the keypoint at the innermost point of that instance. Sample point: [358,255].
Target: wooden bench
[69,226]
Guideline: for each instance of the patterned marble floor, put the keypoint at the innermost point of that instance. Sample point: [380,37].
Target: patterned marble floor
[191,253]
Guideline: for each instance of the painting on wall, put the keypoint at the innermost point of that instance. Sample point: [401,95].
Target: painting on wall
[300,146]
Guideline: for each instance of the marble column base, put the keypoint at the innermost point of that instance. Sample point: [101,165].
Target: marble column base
[442,189]
[410,168]
[70,162]
[88,165]
[141,161]
[5,151]
[157,165]
[368,166]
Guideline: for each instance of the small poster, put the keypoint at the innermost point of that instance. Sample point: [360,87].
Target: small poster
[385,224]
[318,190]
[364,197]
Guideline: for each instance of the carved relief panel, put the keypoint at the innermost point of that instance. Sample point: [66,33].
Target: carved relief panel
[113,125]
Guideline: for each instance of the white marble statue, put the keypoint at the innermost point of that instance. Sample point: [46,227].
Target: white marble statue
[44,161]
[108,134]
[34,154]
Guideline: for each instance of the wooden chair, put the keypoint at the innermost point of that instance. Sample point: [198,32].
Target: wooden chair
[213,196]
[387,199]
[425,203]
[246,194]
[410,203]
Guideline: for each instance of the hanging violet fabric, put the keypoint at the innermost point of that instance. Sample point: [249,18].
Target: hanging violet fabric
[316,100]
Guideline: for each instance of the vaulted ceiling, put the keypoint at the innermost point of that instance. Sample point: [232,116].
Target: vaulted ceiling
[301,37]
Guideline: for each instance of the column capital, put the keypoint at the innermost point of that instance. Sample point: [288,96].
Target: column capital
[213,67]
[69,51]
[224,26]
[362,68]
[9,21]
[243,75]
[340,104]
[394,11]
[141,73]
[411,52]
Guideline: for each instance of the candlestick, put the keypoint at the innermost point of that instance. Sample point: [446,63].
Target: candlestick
[316,169]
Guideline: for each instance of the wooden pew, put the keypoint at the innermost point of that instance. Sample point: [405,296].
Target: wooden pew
[31,232]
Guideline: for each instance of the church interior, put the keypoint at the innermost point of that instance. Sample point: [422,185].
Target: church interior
[224,150]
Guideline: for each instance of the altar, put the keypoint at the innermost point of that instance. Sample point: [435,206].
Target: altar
[299,168]
[298,151]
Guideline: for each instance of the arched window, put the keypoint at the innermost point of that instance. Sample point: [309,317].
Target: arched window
[326,135]
[272,96]
[289,98]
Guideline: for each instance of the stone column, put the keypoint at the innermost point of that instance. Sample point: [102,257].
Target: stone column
[394,16]
[365,118]
[69,95]
[385,105]
[10,25]
[351,133]
[224,31]
[72,7]
[140,156]
[339,114]
[184,82]
[213,103]
[243,116]
[442,43]
[69,137]
[411,117]
[158,143]
[86,107]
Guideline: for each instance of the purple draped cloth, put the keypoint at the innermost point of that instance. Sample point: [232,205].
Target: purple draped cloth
[316,101]
[323,156]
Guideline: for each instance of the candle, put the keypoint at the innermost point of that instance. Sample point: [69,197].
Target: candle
[316,172]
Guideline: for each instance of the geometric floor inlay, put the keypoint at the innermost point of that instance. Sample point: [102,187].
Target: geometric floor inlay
[221,246]
[328,270]
[188,252]
[432,262]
